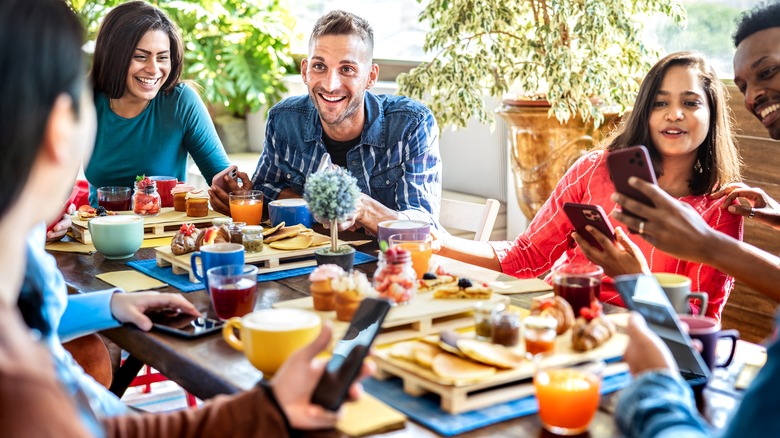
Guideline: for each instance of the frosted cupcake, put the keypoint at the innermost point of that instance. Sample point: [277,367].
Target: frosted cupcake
[350,291]
[321,287]
[179,193]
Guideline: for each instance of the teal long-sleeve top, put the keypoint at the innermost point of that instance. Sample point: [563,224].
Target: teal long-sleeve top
[155,142]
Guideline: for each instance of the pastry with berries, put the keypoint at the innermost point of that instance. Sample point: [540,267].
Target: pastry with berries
[432,280]
[212,235]
[184,241]
[464,289]
[592,329]
[556,307]
[87,212]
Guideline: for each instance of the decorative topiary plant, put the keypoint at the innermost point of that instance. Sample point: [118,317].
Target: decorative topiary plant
[332,195]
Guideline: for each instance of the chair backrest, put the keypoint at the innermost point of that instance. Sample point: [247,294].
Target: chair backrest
[470,216]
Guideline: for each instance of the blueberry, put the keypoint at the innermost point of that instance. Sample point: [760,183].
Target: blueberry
[464,283]
[101,211]
[429,276]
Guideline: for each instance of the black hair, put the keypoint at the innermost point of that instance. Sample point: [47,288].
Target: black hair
[759,18]
[40,59]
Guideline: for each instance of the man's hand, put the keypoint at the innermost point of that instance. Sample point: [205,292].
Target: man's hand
[130,307]
[645,350]
[61,228]
[759,205]
[618,258]
[294,383]
[220,198]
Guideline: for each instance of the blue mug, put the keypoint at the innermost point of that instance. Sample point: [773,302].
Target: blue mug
[212,256]
[292,211]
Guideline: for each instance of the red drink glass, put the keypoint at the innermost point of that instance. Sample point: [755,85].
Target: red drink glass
[164,186]
[578,283]
[114,198]
[233,289]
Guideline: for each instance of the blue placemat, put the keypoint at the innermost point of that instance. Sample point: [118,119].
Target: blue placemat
[426,411]
[183,283]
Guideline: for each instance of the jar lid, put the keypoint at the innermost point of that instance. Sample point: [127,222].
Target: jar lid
[252,229]
[489,306]
[540,322]
[219,221]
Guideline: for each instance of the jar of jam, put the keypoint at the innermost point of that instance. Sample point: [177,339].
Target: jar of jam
[539,333]
[395,278]
[252,238]
[234,228]
[484,311]
[506,328]
[146,200]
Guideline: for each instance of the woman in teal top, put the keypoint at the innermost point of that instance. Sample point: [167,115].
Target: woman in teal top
[148,120]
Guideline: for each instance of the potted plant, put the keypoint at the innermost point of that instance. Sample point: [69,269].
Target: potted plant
[332,195]
[578,61]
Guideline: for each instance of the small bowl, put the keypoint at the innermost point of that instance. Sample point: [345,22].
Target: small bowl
[386,229]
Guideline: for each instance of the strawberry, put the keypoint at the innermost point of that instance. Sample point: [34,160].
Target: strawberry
[187,230]
[546,304]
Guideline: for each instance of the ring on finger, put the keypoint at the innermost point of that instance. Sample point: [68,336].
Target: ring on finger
[641,227]
[752,213]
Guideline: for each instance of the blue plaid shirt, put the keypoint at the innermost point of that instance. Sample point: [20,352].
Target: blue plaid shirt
[397,161]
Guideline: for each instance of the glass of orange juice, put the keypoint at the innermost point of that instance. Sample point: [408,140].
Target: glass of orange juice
[247,206]
[568,396]
[419,245]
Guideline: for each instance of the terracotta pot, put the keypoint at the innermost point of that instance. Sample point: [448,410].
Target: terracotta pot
[542,149]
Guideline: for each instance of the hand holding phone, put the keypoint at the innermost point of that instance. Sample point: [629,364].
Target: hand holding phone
[628,162]
[219,179]
[581,215]
[184,325]
[349,353]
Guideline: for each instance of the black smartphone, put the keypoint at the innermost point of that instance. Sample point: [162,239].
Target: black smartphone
[581,215]
[349,352]
[628,162]
[643,294]
[182,324]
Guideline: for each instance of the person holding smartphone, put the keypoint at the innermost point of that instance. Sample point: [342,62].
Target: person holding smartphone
[681,116]
[148,119]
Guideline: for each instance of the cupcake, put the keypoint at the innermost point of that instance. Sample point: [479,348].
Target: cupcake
[321,288]
[197,204]
[179,193]
[350,291]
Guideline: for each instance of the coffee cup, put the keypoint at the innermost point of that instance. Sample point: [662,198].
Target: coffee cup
[212,256]
[385,229]
[268,337]
[117,237]
[707,331]
[164,186]
[292,211]
[678,289]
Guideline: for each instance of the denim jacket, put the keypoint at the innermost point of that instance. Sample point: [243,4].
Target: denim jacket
[396,163]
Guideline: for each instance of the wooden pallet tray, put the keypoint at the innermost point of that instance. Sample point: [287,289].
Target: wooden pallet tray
[423,316]
[166,224]
[267,260]
[505,385]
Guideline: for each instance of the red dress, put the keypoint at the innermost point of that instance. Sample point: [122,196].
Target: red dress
[547,242]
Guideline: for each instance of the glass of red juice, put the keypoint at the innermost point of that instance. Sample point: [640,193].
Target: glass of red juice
[233,289]
[577,283]
[164,186]
[114,198]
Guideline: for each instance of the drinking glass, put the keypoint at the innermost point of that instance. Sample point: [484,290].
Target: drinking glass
[232,289]
[568,395]
[577,283]
[419,245]
[247,206]
[114,198]
[164,186]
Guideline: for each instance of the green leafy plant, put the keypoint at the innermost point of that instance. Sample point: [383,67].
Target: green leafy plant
[582,55]
[332,195]
[236,50]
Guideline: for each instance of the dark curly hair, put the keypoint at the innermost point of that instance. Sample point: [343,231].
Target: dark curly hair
[760,18]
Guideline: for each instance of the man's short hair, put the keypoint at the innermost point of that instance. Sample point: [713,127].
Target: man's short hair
[760,18]
[344,23]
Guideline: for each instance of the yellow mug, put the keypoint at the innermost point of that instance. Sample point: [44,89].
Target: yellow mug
[269,336]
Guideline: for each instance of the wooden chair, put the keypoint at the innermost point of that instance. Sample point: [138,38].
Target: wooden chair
[470,216]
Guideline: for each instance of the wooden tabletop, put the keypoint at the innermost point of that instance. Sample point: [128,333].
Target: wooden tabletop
[208,366]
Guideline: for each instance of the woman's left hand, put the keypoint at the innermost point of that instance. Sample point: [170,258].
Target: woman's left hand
[130,307]
[618,258]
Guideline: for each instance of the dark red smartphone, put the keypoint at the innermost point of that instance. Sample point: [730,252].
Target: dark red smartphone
[348,354]
[71,199]
[628,162]
[581,215]
[219,180]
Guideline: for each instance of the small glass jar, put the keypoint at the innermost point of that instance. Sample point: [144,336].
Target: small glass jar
[539,333]
[146,200]
[234,228]
[252,238]
[484,311]
[395,278]
[506,328]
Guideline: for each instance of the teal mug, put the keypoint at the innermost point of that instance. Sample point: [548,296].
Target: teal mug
[117,237]
[212,256]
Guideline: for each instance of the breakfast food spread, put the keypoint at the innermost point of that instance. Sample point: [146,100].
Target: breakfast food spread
[184,241]
[179,193]
[196,203]
[321,288]
[591,329]
[557,308]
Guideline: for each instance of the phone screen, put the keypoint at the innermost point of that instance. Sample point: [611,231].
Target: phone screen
[349,352]
[643,294]
[182,324]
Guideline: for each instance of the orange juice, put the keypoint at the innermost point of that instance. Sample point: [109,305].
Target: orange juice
[421,256]
[568,399]
[246,210]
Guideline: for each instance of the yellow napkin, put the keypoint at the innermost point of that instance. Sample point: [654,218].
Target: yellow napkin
[519,286]
[130,281]
[88,248]
[369,415]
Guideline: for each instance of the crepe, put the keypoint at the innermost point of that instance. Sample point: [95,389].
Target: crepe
[427,285]
[282,233]
[403,350]
[298,242]
[452,367]
[491,354]
[318,240]
[457,292]
[270,230]
[424,354]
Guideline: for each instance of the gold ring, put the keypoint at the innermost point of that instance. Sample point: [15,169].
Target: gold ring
[642,227]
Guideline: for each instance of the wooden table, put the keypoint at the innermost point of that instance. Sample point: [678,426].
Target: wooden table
[208,366]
